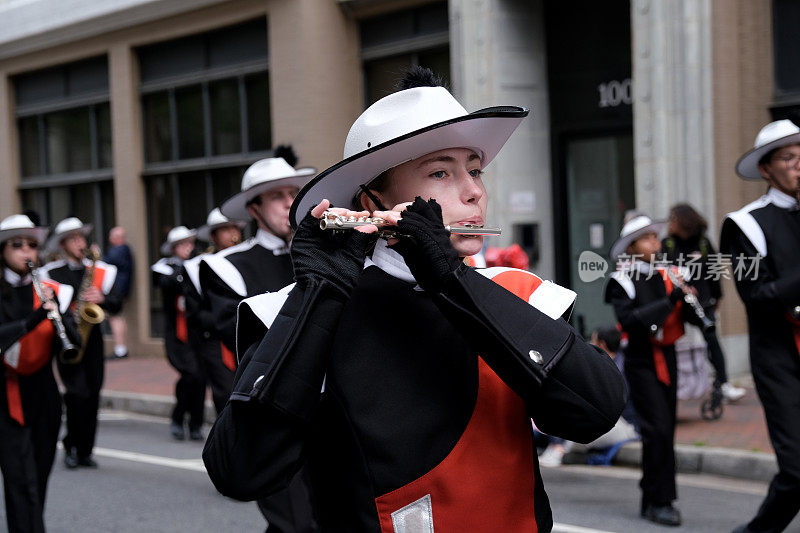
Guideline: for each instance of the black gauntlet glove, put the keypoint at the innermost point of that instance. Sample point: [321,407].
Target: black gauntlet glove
[35,318]
[676,295]
[336,257]
[425,244]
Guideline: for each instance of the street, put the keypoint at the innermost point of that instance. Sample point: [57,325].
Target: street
[149,482]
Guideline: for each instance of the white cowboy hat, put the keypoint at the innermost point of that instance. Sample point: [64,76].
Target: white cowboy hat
[21,226]
[64,228]
[259,178]
[176,235]
[771,137]
[636,227]
[216,220]
[404,126]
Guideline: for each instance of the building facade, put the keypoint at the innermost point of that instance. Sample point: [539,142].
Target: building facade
[145,113]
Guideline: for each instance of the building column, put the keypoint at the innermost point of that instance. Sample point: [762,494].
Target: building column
[673,107]
[129,191]
[498,57]
[9,150]
[313,47]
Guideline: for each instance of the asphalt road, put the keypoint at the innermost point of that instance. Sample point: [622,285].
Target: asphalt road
[151,483]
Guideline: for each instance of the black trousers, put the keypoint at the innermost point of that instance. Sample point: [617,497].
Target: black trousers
[715,355]
[289,510]
[218,376]
[777,380]
[655,405]
[26,459]
[190,389]
[83,382]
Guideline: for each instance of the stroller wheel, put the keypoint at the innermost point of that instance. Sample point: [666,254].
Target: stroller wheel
[711,408]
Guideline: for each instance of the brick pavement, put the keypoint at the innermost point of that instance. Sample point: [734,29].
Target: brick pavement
[741,427]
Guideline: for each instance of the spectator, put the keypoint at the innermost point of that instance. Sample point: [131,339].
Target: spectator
[119,255]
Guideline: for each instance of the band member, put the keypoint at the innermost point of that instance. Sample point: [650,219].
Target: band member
[190,389]
[30,406]
[687,243]
[253,267]
[93,284]
[429,370]
[218,363]
[763,239]
[649,306]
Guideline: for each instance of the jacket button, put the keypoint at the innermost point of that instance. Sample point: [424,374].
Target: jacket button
[536,357]
[653,328]
[206,335]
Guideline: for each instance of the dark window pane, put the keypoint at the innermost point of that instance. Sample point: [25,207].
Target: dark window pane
[381,76]
[192,198]
[104,155]
[238,44]
[82,205]
[29,146]
[438,61]
[60,204]
[160,219]
[225,119]
[67,141]
[108,209]
[87,77]
[258,117]
[157,138]
[189,104]
[172,58]
[36,200]
[387,28]
[225,183]
[786,17]
[431,19]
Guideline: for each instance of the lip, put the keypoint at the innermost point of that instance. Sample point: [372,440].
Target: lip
[472,221]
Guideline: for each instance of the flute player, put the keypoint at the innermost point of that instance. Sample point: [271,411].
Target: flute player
[406,381]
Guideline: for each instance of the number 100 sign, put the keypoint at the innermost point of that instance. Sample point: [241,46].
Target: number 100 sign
[614,93]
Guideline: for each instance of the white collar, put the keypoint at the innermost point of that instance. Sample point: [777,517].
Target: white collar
[14,279]
[781,199]
[390,262]
[271,242]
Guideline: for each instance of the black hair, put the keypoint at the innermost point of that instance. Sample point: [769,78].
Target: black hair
[766,158]
[690,221]
[610,336]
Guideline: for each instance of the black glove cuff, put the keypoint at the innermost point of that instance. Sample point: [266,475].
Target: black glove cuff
[34,318]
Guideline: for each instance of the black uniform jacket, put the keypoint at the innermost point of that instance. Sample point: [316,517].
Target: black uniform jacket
[72,274]
[641,305]
[769,285]
[696,253]
[399,370]
[255,266]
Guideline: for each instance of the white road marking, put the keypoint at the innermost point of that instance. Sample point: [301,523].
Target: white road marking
[195,465]
[566,528]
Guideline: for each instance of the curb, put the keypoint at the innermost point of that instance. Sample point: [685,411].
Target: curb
[739,464]
[728,462]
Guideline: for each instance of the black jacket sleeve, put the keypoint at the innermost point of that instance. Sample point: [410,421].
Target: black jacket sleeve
[198,313]
[256,445]
[637,319]
[571,388]
[223,302]
[766,288]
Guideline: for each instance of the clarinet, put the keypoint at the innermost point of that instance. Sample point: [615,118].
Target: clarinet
[68,350]
[706,323]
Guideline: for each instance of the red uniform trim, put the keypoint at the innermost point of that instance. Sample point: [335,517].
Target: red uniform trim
[486,483]
[181,327]
[228,359]
[796,330]
[672,330]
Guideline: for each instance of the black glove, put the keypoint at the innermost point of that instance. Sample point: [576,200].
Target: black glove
[336,257]
[34,318]
[425,244]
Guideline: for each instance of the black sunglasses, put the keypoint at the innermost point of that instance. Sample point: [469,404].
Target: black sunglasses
[19,244]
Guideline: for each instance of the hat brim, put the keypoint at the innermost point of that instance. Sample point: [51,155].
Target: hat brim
[166,248]
[55,239]
[747,166]
[204,232]
[38,233]
[485,131]
[235,207]
[621,244]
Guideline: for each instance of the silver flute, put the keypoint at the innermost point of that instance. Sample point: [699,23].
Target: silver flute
[332,221]
[68,350]
[691,300]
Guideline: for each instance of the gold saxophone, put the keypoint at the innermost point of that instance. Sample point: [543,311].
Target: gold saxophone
[87,313]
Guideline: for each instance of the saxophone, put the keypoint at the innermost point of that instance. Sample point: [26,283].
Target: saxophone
[87,313]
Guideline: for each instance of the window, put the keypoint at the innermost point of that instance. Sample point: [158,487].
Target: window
[785,20]
[64,130]
[392,43]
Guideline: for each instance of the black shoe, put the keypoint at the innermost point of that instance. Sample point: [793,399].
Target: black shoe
[662,514]
[195,434]
[177,431]
[87,461]
[71,458]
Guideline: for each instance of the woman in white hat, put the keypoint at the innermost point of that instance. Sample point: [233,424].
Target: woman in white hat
[83,380]
[650,310]
[763,240]
[30,405]
[190,388]
[429,371]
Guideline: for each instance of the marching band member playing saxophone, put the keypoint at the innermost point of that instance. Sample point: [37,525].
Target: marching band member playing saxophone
[406,381]
[30,406]
[92,283]
[763,239]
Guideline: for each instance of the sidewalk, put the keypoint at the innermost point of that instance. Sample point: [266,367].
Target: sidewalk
[736,445]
